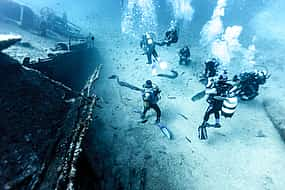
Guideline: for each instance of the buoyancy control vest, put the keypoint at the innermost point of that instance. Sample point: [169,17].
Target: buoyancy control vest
[147,43]
[151,95]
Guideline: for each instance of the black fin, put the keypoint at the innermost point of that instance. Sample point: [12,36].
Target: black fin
[202,132]
[198,96]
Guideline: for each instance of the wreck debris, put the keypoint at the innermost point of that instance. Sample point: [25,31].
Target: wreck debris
[19,181]
[48,23]
[27,83]
[58,24]
[66,179]
[57,83]
[29,113]
[61,85]
[53,127]
[17,13]
[69,57]
[39,175]
[7,40]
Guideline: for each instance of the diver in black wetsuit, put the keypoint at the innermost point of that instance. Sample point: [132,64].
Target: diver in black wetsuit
[150,97]
[247,83]
[184,55]
[217,92]
[211,67]
[171,37]
[148,45]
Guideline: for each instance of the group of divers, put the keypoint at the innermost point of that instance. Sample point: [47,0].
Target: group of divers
[222,93]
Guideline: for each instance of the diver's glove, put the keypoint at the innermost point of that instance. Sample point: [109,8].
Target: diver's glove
[202,132]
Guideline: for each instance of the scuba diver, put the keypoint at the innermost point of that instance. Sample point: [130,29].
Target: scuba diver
[148,45]
[211,70]
[184,55]
[247,84]
[217,91]
[171,36]
[211,67]
[150,96]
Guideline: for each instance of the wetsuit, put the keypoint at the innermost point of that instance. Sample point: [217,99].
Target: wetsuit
[211,68]
[150,98]
[215,105]
[148,45]
[249,84]
[217,91]
[171,37]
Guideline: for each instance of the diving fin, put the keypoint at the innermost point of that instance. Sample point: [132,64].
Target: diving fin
[198,96]
[165,131]
[202,132]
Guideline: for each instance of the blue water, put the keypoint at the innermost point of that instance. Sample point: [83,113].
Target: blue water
[134,17]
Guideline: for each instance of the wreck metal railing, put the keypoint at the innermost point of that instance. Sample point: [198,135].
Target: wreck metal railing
[67,176]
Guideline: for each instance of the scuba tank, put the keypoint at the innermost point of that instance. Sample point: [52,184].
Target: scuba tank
[229,106]
[151,95]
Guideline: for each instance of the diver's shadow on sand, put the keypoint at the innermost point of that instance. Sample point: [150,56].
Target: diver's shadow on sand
[226,136]
[216,137]
[220,136]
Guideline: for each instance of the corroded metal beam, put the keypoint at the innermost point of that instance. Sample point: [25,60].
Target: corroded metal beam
[67,176]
